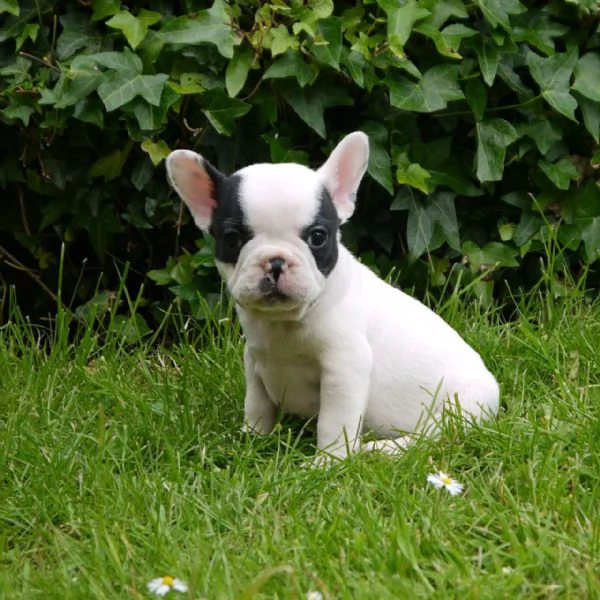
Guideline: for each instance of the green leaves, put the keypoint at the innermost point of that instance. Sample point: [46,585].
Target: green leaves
[222,111]
[310,103]
[587,76]
[212,26]
[498,12]
[492,255]
[493,137]
[553,75]
[327,47]
[237,70]
[432,92]
[119,89]
[465,104]
[134,28]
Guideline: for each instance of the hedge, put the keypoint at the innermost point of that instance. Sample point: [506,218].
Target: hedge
[484,120]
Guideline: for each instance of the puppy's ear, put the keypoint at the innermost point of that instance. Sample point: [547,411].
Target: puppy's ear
[342,172]
[196,181]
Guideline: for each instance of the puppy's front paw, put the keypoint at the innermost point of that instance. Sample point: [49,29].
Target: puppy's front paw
[322,460]
[257,427]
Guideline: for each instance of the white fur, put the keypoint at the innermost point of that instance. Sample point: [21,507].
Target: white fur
[349,348]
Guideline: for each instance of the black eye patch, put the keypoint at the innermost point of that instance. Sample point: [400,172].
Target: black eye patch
[321,235]
[230,238]
[229,226]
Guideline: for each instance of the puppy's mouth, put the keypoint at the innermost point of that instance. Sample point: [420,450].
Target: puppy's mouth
[271,294]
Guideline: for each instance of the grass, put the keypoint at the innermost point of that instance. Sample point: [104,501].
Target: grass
[120,464]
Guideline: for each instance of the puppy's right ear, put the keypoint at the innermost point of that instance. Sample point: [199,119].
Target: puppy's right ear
[196,181]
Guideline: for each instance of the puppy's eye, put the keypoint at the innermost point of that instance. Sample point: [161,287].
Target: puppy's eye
[317,237]
[232,241]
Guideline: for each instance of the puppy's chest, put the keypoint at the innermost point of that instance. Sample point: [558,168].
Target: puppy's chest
[287,363]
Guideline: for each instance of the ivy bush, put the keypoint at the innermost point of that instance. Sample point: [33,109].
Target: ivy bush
[484,120]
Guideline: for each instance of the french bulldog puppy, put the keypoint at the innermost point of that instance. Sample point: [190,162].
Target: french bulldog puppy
[324,335]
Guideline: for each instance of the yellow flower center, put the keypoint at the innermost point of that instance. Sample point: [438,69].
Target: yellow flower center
[446,480]
[168,580]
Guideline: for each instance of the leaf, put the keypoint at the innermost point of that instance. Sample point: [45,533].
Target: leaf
[13,25]
[211,26]
[560,173]
[493,254]
[310,103]
[535,28]
[498,12]
[160,276]
[528,226]
[104,8]
[91,111]
[111,165]
[131,329]
[488,55]
[282,150]
[591,116]
[238,69]
[20,112]
[414,175]
[151,118]
[590,235]
[506,71]
[493,137]
[9,6]
[126,62]
[545,134]
[134,28]
[76,34]
[401,18]
[291,64]
[30,31]
[553,75]
[119,89]
[222,111]
[587,76]
[447,41]
[329,50]
[157,151]
[379,168]
[419,231]
[281,40]
[321,9]
[476,97]
[355,63]
[437,87]
[443,212]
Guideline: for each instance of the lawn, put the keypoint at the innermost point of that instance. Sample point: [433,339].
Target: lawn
[121,464]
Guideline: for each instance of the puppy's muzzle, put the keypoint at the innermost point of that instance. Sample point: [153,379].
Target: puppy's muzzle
[274,268]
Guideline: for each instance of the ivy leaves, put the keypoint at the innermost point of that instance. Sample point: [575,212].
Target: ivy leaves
[483,117]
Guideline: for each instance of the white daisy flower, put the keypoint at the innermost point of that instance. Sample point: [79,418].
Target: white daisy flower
[441,480]
[314,596]
[163,585]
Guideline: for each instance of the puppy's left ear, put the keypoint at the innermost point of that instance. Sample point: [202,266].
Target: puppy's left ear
[343,171]
[197,182]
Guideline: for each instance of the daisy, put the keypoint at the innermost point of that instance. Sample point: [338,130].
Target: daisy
[314,596]
[163,585]
[440,480]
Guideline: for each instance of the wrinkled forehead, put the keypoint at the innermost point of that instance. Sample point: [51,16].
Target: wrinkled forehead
[279,198]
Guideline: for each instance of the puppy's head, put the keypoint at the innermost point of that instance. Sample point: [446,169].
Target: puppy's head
[275,226]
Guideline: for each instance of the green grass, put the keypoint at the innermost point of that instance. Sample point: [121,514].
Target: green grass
[118,465]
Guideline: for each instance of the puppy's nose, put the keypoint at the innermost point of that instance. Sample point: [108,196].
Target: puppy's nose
[276,265]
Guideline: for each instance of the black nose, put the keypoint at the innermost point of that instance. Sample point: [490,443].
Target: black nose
[277,265]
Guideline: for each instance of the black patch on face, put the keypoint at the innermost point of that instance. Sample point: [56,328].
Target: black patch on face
[229,226]
[321,234]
